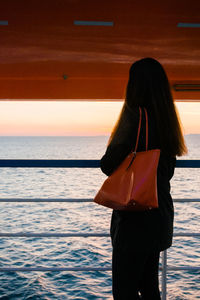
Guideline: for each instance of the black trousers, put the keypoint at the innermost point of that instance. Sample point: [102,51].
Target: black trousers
[135,275]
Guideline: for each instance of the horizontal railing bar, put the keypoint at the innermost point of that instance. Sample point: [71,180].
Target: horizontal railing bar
[55,269]
[186,200]
[47,234]
[44,200]
[85,269]
[74,163]
[190,163]
[195,234]
[73,200]
[49,163]
[61,234]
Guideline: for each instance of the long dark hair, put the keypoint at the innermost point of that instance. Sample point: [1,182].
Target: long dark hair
[148,87]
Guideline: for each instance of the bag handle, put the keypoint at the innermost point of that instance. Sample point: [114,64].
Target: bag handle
[139,127]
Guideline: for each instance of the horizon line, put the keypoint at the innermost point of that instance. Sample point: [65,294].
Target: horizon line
[73,135]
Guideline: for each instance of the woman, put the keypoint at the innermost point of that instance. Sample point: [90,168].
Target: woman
[139,237]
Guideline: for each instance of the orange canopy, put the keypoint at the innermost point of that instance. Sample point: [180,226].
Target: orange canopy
[75,49]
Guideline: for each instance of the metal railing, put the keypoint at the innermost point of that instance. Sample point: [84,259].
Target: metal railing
[27,163]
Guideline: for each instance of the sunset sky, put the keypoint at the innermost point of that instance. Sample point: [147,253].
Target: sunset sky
[46,118]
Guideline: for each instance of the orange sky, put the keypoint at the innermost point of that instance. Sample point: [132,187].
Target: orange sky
[75,118]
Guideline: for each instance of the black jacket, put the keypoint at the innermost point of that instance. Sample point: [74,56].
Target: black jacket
[152,229]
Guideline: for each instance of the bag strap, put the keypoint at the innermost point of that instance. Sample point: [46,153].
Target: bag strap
[139,127]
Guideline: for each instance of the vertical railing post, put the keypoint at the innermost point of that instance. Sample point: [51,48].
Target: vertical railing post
[164,275]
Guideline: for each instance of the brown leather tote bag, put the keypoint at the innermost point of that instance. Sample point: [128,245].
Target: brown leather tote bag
[133,185]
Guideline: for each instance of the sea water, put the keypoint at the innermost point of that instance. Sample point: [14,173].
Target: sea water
[82,218]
